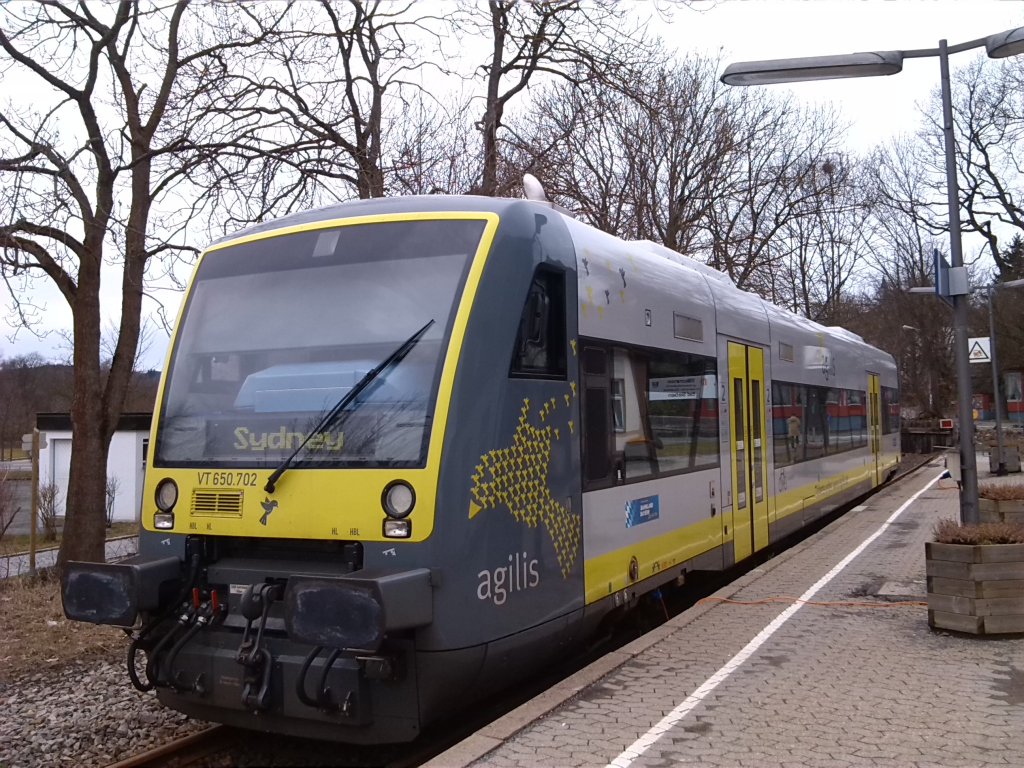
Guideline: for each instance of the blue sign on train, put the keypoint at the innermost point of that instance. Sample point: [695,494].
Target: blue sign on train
[641,510]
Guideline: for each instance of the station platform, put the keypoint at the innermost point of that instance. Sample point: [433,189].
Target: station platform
[821,656]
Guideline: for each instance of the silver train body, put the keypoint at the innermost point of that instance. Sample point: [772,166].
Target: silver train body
[407,449]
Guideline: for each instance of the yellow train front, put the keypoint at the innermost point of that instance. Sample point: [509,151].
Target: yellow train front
[407,449]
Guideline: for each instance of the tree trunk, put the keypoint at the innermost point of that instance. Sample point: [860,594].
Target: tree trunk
[494,107]
[85,522]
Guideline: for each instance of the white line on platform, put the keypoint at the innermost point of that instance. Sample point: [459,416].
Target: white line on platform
[645,742]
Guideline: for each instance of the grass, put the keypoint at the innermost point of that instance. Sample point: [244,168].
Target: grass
[952,532]
[1013,492]
[14,545]
[37,637]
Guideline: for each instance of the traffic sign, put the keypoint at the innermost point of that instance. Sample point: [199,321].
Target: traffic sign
[26,441]
[979,350]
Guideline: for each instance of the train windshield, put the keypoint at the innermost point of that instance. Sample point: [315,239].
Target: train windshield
[278,330]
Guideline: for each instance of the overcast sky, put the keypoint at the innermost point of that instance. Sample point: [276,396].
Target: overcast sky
[877,109]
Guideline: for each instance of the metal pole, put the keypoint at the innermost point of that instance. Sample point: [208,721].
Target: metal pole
[1001,459]
[968,460]
[35,503]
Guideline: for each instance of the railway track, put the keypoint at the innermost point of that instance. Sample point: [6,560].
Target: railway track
[223,746]
[196,749]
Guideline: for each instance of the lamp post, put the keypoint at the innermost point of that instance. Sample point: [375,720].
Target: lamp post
[991,291]
[872,64]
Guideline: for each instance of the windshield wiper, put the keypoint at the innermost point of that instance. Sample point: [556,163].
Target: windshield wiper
[352,394]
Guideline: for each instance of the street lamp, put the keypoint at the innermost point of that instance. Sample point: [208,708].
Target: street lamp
[1001,464]
[873,64]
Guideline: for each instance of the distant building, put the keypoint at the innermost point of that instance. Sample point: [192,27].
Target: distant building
[1014,401]
[126,463]
[984,406]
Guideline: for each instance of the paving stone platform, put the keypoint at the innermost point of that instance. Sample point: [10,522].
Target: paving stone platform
[853,676]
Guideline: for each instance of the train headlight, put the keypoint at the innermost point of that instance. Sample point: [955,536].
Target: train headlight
[163,521]
[398,499]
[166,495]
[397,529]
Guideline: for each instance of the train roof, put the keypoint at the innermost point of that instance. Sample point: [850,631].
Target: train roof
[388,205]
[777,316]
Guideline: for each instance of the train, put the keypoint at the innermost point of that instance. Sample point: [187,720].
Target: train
[405,450]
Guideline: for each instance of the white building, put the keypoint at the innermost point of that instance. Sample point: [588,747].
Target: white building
[126,462]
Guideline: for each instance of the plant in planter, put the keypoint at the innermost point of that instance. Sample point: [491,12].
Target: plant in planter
[976,577]
[1001,504]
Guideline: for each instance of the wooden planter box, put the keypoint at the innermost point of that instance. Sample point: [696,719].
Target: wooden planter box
[976,588]
[1005,511]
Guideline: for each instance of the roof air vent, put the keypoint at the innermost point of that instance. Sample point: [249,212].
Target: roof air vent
[533,189]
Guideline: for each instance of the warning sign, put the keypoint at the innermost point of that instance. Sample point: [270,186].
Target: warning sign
[979,350]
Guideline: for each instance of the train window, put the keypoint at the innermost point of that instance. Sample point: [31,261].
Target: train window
[846,420]
[739,441]
[837,428]
[648,413]
[634,446]
[873,420]
[758,446]
[787,423]
[619,404]
[857,412]
[596,435]
[597,418]
[277,330]
[809,422]
[683,406]
[816,432]
[890,410]
[594,361]
[540,342]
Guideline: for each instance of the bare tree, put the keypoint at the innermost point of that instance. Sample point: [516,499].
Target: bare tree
[30,384]
[821,251]
[8,511]
[111,490]
[571,138]
[989,128]
[779,172]
[901,227]
[1006,304]
[905,234]
[128,107]
[567,39]
[642,157]
[49,505]
[435,148]
[326,105]
[676,157]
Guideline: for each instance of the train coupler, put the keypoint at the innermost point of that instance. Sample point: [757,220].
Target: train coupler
[256,659]
[256,683]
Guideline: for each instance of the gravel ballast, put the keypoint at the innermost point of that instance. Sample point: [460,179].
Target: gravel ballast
[82,715]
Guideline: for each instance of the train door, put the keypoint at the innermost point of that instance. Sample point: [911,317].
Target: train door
[747,443]
[875,424]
